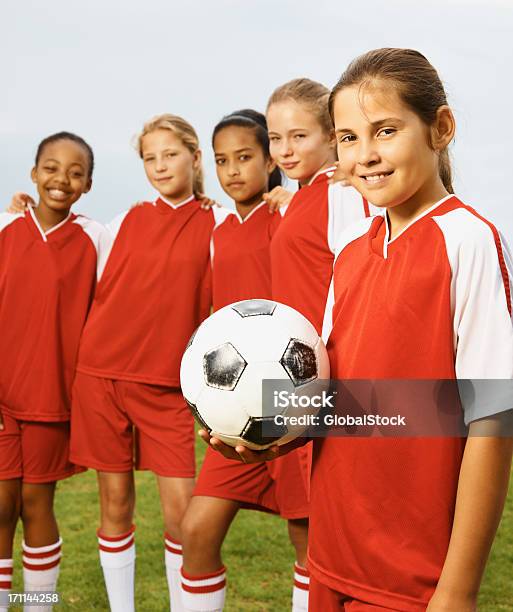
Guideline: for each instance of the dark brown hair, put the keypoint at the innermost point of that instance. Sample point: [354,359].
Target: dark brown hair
[253,120]
[415,80]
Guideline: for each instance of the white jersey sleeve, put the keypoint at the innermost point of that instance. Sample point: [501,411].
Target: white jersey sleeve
[114,225]
[348,235]
[345,207]
[7,218]
[220,215]
[101,239]
[481,288]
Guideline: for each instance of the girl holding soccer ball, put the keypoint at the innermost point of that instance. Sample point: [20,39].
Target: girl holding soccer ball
[241,269]
[407,524]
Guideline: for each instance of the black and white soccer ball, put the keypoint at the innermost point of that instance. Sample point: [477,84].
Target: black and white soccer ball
[233,352]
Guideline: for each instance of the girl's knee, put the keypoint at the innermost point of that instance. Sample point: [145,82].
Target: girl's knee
[10,506]
[118,504]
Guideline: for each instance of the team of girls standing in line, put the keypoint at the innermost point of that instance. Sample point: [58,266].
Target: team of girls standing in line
[50,261]
[422,290]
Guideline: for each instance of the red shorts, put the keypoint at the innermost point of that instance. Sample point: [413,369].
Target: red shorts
[323,599]
[118,425]
[34,451]
[276,486]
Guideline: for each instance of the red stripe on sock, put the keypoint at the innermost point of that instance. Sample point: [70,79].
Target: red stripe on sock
[176,551]
[215,574]
[110,549]
[42,555]
[41,568]
[5,585]
[302,571]
[115,538]
[301,585]
[210,588]
[172,540]
[5,570]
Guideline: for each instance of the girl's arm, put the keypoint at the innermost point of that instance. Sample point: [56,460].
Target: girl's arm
[481,290]
[482,489]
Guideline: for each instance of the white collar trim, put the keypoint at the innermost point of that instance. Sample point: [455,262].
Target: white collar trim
[323,171]
[175,206]
[412,222]
[49,231]
[241,220]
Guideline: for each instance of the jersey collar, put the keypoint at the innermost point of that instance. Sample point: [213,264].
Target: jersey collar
[387,240]
[241,220]
[30,211]
[175,206]
[328,171]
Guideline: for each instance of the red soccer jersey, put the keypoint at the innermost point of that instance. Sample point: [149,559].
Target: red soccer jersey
[302,251]
[155,291]
[434,302]
[47,282]
[241,263]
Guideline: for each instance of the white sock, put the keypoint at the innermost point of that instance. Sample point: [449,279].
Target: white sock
[204,593]
[301,588]
[41,570]
[117,558]
[5,582]
[173,556]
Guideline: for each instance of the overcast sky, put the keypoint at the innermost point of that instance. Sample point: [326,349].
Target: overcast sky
[101,68]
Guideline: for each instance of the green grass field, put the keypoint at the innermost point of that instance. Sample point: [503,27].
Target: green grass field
[257,554]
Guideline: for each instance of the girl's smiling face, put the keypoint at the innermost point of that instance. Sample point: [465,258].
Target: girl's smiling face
[298,143]
[61,175]
[385,150]
[168,163]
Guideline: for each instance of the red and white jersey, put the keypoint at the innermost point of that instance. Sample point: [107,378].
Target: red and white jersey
[47,281]
[302,251]
[241,260]
[432,303]
[155,291]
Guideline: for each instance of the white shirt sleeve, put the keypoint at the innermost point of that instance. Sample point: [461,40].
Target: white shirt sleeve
[346,236]
[220,214]
[101,239]
[7,218]
[345,207]
[114,225]
[481,287]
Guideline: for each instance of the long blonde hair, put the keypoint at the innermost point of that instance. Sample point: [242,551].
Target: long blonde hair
[187,134]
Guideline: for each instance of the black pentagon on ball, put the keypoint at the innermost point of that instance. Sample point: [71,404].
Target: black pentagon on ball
[254,308]
[300,362]
[263,430]
[223,366]
[197,416]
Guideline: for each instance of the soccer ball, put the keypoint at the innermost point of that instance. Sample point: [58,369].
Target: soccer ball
[233,352]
